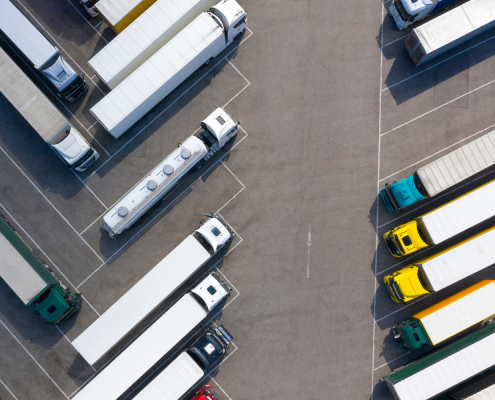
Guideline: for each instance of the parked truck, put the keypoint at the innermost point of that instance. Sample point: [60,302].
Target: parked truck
[207,393]
[149,348]
[436,272]
[32,280]
[450,30]
[197,44]
[44,117]
[153,289]
[441,174]
[437,372]
[443,222]
[144,37]
[407,12]
[482,387]
[119,14]
[216,130]
[472,306]
[40,53]
[189,367]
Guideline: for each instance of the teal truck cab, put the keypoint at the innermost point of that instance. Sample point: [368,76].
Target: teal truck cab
[404,193]
[32,281]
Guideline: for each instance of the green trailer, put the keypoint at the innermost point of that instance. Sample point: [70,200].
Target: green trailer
[442,370]
[33,281]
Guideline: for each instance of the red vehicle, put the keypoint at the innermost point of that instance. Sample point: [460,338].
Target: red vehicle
[207,393]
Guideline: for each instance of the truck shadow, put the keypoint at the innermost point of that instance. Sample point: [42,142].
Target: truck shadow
[135,138]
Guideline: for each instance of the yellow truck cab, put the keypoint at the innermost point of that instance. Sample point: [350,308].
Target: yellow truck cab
[443,222]
[443,269]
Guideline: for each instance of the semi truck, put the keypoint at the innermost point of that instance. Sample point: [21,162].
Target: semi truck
[472,306]
[189,367]
[440,270]
[153,289]
[148,349]
[441,174]
[216,130]
[443,222]
[50,124]
[32,280]
[197,44]
[408,12]
[443,369]
[144,37]
[119,14]
[40,53]
[449,30]
[207,393]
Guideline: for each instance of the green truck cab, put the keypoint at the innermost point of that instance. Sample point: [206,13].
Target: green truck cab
[33,281]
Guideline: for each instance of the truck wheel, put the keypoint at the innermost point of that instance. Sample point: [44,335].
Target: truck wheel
[238,35]
[488,321]
[209,61]
[162,100]
[142,118]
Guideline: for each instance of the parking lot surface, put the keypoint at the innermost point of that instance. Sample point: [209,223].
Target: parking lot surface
[331,108]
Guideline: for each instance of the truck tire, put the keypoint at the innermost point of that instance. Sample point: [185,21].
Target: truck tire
[489,320]
[239,35]
[208,61]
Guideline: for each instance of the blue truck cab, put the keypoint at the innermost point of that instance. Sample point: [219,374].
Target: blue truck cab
[402,194]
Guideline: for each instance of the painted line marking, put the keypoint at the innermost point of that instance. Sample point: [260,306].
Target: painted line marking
[309,252]
[58,44]
[437,108]
[218,386]
[394,359]
[438,152]
[98,24]
[434,65]
[408,260]
[393,41]
[94,27]
[34,359]
[90,190]
[415,301]
[377,204]
[12,394]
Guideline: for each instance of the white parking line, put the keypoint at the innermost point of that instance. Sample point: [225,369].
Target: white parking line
[98,24]
[438,152]
[49,202]
[437,108]
[8,390]
[94,27]
[46,256]
[171,104]
[408,260]
[393,41]
[58,44]
[87,187]
[377,206]
[435,65]
[416,301]
[34,359]
[394,359]
[217,385]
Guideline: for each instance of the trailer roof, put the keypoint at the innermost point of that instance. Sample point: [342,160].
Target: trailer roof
[41,114]
[459,312]
[454,24]
[459,164]
[145,351]
[160,68]
[147,294]
[155,27]
[459,261]
[24,34]
[445,368]
[485,394]
[173,381]
[115,10]
[461,214]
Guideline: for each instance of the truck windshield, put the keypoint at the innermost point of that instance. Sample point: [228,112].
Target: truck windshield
[77,85]
[402,11]
[83,159]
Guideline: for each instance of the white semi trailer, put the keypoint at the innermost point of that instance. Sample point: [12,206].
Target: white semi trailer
[197,44]
[44,117]
[216,130]
[137,359]
[144,37]
[40,53]
[153,289]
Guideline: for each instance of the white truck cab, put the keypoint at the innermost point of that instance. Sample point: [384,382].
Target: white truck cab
[73,149]
[232,16]
[407,12]
[213,234]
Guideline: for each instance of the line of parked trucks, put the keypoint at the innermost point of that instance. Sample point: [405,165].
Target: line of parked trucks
[160,44]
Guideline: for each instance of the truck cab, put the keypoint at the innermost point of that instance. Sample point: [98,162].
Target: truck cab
[214,234]
[211,291]
[217,129]
[404,239]
[207,393]
[405,285]
[73,149]
[411,335]
[60,73]
[403,194]
[233,18]
[406,12]
[210,349]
